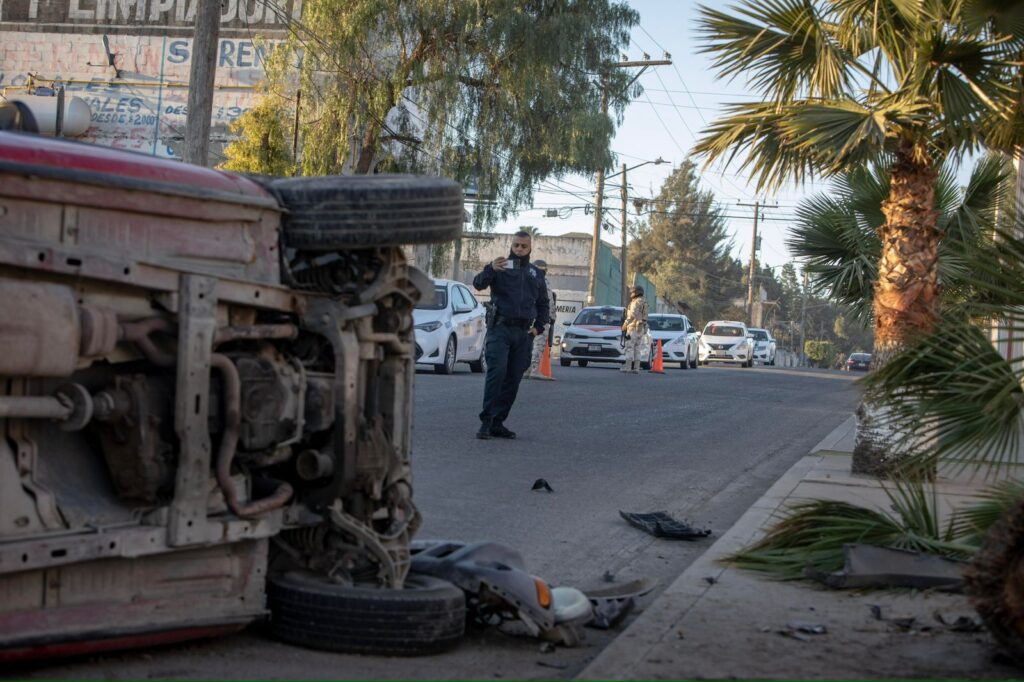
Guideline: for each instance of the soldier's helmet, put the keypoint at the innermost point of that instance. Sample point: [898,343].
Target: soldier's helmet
[541,265]
[636,291]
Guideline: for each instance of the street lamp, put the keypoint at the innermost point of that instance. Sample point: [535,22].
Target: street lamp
[595,244]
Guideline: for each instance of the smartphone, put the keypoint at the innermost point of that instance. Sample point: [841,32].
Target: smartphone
[511,264]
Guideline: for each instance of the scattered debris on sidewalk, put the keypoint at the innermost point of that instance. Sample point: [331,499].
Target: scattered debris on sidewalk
[911,624]
[868,566]
[612,604]
[609,612]
[710,579]
[800,629]
[661,525]
[807,627]
[541,484]
[972,623]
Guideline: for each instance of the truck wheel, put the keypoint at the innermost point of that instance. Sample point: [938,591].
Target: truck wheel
[563,362]
[426,616]
[583,363]
[350,211]
[994,581]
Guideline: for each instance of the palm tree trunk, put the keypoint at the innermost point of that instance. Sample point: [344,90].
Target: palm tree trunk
[906,295]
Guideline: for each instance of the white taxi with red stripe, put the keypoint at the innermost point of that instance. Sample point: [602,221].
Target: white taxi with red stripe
[594,336]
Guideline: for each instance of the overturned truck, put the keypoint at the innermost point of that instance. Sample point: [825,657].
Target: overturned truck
[205,399]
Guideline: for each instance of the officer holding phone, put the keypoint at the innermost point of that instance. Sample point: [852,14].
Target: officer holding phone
[519,300]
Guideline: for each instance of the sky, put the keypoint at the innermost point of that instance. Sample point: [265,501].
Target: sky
[678,102]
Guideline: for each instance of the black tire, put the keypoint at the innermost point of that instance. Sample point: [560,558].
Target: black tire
[646,366]
[564,362]
[583,363]
[426,616]
[684,365]
[448,364]
[479,366]
[695,363]
[350,211]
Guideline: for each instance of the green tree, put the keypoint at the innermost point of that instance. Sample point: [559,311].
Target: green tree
[848,82]
[819,352]
[684,247]
[499,94]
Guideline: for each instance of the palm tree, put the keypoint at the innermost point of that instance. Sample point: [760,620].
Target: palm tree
[904,84]
[531,230]
[836,233]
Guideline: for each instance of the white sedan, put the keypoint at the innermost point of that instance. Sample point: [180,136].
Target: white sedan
[764,345]
[678,339]
[450,328]
[726,341]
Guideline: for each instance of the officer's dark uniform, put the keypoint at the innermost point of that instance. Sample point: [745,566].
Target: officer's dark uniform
[519,298]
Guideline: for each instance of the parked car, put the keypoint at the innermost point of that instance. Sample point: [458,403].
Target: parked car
[726,341]
[764,345]
[679,340]
[450,328]
[858,362]
[206,404]
[594,336]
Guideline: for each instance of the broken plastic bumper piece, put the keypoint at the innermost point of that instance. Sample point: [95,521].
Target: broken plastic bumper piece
[661,525]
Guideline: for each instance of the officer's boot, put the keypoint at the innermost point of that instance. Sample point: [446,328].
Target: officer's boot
[498,430]
[485,429]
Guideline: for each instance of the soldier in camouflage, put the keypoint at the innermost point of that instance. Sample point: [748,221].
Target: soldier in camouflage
[540,342]
[635,329]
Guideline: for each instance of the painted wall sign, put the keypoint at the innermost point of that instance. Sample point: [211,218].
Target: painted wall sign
[240,18]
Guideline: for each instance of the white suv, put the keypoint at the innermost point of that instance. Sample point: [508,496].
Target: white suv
[726,341]
[764,345]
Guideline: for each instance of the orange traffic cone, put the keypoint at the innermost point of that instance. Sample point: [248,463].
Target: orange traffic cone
[545,363]
[658,366]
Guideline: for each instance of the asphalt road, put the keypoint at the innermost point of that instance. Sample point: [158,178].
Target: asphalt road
[701,444]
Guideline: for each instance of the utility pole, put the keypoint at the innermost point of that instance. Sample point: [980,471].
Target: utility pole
[200,82]
[622,289]
[595,246]
[595,243]
[757,205]
[753,262]
[803,320]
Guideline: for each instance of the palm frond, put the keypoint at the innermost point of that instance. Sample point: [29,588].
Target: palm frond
[812,534]
[986,188]
[1005,16]
[752,129]
[784,47]
[954,396]
[971,524]
[841,255]
[844,133]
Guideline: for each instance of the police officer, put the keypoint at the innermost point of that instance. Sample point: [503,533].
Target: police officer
[540,342]
[519,299]
[635,329]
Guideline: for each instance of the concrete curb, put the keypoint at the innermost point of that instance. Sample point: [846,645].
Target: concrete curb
[661,619]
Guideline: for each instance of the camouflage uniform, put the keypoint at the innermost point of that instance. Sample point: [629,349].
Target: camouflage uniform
[635,327]
[539,343]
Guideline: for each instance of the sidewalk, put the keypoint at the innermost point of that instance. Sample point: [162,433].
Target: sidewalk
[719,622]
